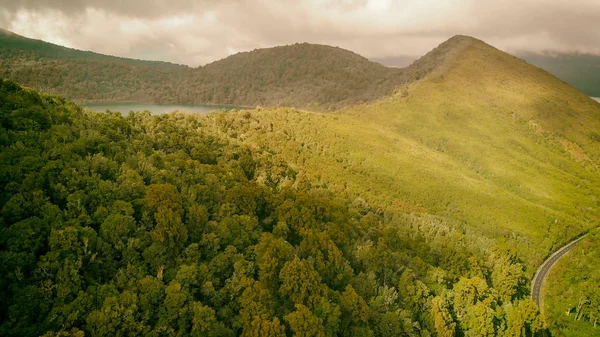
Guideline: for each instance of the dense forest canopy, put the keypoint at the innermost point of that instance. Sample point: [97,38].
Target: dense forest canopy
[156,225]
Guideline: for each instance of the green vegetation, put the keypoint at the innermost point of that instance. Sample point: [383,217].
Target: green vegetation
[424,213]
[302,75]
[572,290]
[84,76]
[158,225]
[494,147]
[579,70]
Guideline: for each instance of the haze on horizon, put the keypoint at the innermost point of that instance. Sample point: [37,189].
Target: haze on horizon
[199,32]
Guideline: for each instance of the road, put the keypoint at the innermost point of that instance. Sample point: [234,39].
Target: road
[542,272]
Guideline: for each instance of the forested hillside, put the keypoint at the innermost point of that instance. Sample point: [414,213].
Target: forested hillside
[496,147]
[82,75]
[159,225]
[485,150]
[301,75]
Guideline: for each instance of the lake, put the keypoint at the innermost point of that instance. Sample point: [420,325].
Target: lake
[155,109]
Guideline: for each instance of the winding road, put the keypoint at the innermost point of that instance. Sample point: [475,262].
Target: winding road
[542,272]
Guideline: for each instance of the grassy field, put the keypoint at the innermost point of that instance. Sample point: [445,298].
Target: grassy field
[485,145]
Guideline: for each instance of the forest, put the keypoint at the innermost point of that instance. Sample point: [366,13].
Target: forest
[159,225]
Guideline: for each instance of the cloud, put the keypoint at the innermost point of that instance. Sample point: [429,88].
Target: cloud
[198,32]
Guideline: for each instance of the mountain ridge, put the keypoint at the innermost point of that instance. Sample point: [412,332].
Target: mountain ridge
[480,130]
[311,76]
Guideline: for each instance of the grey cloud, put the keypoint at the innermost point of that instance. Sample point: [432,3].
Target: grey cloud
[132,8]
[197,32]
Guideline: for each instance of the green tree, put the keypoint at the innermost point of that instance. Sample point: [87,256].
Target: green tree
[304,323]
[301,283]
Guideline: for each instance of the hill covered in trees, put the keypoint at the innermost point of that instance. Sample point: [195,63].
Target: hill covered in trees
[302,75]
[82,75]
[485,145]
[502,148]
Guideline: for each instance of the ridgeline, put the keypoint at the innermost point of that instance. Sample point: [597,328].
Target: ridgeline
[302,75]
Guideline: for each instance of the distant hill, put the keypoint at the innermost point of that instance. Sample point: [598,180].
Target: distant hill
[17,46]
[82,75]
[579,70]
[297,75]
[301,75]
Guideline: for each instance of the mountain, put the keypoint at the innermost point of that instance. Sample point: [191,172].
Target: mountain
[485,152]
[579,70]
[484,140]
[301,75]
[82,75]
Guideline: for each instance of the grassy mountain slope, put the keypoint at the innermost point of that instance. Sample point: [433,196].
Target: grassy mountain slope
[302,75]
[579,70]
[494,147]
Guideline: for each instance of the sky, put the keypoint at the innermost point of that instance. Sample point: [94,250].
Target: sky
[202,31]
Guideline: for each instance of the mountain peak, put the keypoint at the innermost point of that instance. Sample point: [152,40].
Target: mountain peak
[441,58]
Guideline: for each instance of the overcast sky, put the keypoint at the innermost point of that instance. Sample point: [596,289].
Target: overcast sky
[197,32]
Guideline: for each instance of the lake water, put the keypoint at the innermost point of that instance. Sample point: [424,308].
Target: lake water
[155,109]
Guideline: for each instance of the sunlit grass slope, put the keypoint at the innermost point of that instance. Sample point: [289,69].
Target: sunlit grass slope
[486,142]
